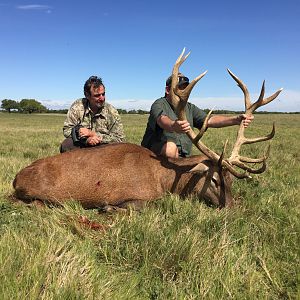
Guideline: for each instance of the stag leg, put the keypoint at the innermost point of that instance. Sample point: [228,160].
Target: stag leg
[111,209]
[137,205]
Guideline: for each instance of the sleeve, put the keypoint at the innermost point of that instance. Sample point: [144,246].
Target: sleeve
[157,109]
[115,133]
[71,121]
[198,116]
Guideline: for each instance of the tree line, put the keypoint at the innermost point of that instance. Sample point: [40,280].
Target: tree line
[24,106]
[33,106]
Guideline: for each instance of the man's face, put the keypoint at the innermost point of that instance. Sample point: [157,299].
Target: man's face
[97,97]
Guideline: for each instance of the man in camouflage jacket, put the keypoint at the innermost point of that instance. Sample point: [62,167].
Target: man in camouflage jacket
[91,121]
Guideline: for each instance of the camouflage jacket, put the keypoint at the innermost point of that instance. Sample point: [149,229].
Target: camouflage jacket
[106,122]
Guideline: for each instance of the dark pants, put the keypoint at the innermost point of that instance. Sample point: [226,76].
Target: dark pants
[156,148]
[68,145]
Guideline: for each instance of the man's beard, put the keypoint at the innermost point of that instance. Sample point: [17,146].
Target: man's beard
[99,104]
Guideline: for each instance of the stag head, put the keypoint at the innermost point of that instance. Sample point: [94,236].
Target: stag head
[223,169]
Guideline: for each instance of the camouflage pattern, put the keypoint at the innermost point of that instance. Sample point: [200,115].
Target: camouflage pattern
[106,122]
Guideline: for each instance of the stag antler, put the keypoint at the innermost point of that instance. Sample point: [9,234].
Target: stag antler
[179,99]
[235,158]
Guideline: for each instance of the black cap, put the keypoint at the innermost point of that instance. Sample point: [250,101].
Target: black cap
[181,80]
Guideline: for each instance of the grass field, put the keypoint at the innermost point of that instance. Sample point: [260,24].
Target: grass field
[174,249]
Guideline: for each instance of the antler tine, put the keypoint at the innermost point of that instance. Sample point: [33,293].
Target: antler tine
[233,171]
[261,101]
[256,160]
[174,98]
[252,170]
[222,154]
[272,97]
[203,128]
[243,87]
[262,138]
[178,63]
[184,94]
[262,93]
[181,59]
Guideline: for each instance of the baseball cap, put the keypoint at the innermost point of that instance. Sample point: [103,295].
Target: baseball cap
[181,80]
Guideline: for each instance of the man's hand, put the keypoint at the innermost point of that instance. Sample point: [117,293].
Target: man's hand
[181,126]
[85,132]
[93,140]
[245,119]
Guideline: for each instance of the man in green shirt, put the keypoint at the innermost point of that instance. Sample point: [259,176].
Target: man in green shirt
[165,134]
[91,121]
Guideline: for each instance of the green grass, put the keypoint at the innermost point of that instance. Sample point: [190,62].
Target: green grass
[174,249]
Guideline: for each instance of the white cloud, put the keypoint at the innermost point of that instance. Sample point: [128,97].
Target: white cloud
[287,101]
[129,104]
[56,104]
[46,8]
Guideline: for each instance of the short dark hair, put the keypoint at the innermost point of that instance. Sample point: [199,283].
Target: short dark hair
[92,81]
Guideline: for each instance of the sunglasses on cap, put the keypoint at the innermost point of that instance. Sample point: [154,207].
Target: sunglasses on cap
[181,80]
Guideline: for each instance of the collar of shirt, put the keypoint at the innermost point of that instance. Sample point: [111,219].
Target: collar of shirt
[100,112]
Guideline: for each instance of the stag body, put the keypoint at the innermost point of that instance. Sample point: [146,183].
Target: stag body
[118,175]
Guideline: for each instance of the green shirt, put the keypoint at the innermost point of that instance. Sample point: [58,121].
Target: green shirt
[106,122]
[155,135]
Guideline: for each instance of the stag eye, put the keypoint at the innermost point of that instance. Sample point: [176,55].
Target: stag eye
[214,181]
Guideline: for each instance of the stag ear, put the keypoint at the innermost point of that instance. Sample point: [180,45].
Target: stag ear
[199,169]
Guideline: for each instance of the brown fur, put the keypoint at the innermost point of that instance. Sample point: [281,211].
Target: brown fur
[119,174]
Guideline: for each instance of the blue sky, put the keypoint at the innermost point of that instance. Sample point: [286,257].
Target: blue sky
[49,48]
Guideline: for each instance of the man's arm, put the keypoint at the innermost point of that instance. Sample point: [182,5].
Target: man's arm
[70,122]
[114,132]
[224,121]
[177,126]
[214,122]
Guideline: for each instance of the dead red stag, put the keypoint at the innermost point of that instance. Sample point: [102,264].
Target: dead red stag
[119,175]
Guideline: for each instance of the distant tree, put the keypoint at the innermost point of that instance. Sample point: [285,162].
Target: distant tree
[122,111]
[8,104]
[57,111]
[132,111]
[142,112]
[31,106]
